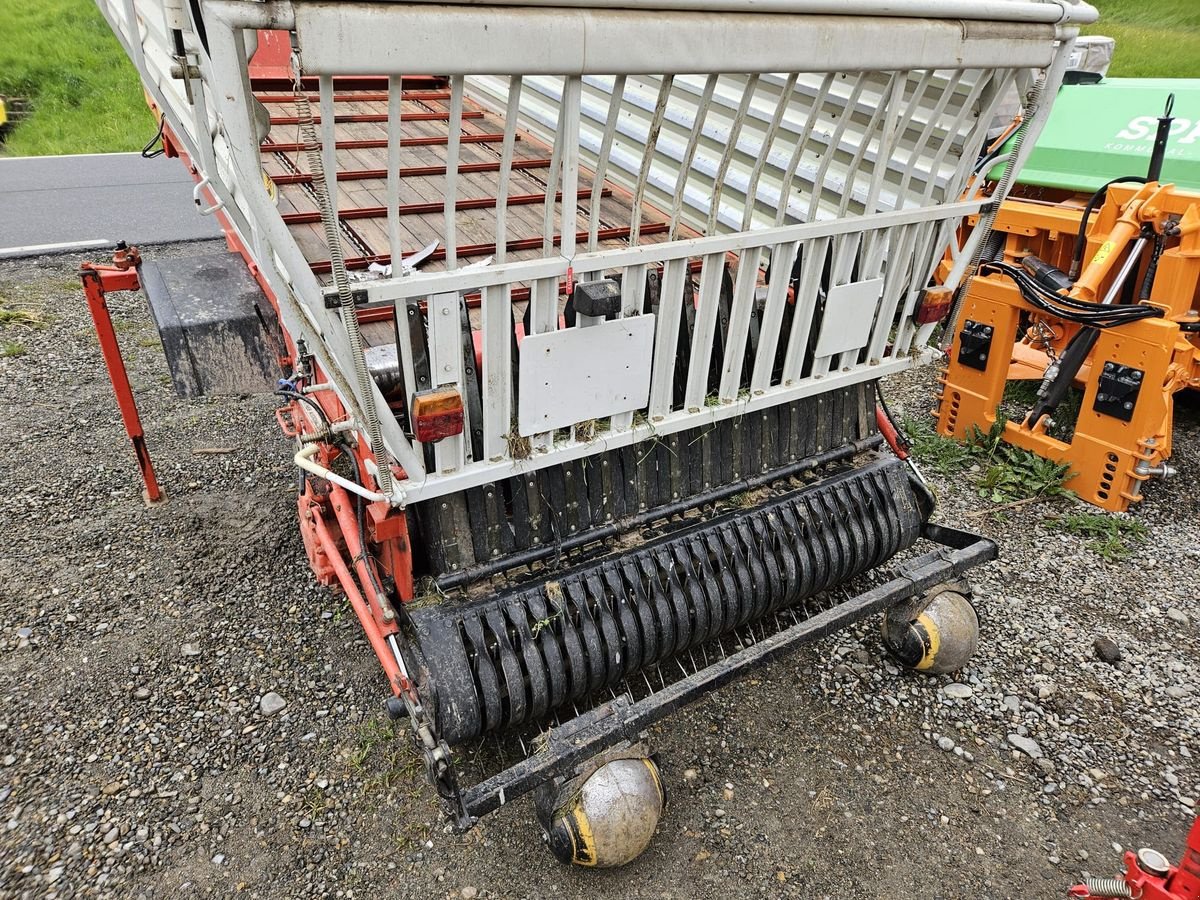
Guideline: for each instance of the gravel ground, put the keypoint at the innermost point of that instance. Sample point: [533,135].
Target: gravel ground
[141,651]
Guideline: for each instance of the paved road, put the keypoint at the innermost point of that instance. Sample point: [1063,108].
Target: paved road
[101,198]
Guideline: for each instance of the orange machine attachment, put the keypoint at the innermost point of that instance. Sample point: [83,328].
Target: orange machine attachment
[1119,336]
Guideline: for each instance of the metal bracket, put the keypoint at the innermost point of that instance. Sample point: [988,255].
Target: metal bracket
[975,345]
[1117,390]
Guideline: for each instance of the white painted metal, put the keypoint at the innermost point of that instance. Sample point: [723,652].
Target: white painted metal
[854,166]
[849,315]
[577,374]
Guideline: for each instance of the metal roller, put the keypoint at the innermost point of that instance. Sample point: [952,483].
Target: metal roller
[513,657]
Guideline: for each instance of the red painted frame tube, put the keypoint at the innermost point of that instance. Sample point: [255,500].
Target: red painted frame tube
[380,143]
[347,118]
[357,97]
[414,171]
[375,635]
[96,282]
[416,209]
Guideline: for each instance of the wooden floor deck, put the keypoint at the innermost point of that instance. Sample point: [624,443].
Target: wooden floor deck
[362,162]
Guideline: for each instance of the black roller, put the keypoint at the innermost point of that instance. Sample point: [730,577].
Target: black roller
[513,657]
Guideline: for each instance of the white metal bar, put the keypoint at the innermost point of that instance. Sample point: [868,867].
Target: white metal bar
[639,191]
[481,473]
[395,134]
[468,39]
[445,364]
[633,297]
[918,150]
[781,107]
[418,285]
[450,204]
[497,327]
[887,136]
[606,142]
[987,10]
[735,131]
[814,116]
[739,323]
[709,300]
[783,257]
[900,243]
[329,141]
[543,317]
[570,166]
[812,264]
[689,154]
[835,140]
[666,338]
[556,156]
[506,157]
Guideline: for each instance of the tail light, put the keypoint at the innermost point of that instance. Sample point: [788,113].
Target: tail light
[437,414]
[934,305]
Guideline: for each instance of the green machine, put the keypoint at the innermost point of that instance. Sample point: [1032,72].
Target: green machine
[1103,130]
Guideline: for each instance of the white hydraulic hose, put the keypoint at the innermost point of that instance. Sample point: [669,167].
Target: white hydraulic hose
[304,459]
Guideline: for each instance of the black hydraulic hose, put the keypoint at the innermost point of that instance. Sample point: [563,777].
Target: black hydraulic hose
[1068,366]
[1082,343]
[1081,236]
[296,395]
[1151,269]
[1081,312]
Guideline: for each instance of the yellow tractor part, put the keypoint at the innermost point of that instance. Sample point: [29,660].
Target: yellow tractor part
[1122,436]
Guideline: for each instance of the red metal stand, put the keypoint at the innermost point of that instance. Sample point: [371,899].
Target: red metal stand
[98,280]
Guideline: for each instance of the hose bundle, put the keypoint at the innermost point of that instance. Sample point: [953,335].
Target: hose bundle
[1082,312]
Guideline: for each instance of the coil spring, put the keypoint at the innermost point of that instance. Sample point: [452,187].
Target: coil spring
[1107,887]
[337,262]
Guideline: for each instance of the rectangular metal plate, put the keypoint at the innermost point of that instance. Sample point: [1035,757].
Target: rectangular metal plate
[576,374]
[849,316]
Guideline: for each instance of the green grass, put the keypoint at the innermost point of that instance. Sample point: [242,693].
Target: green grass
[1111,537]
[1001,473]
[11,349]
[1155,38]
[86,97]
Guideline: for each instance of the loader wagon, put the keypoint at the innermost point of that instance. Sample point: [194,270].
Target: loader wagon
[577,313]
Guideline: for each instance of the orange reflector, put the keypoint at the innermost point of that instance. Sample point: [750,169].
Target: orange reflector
[437,414]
